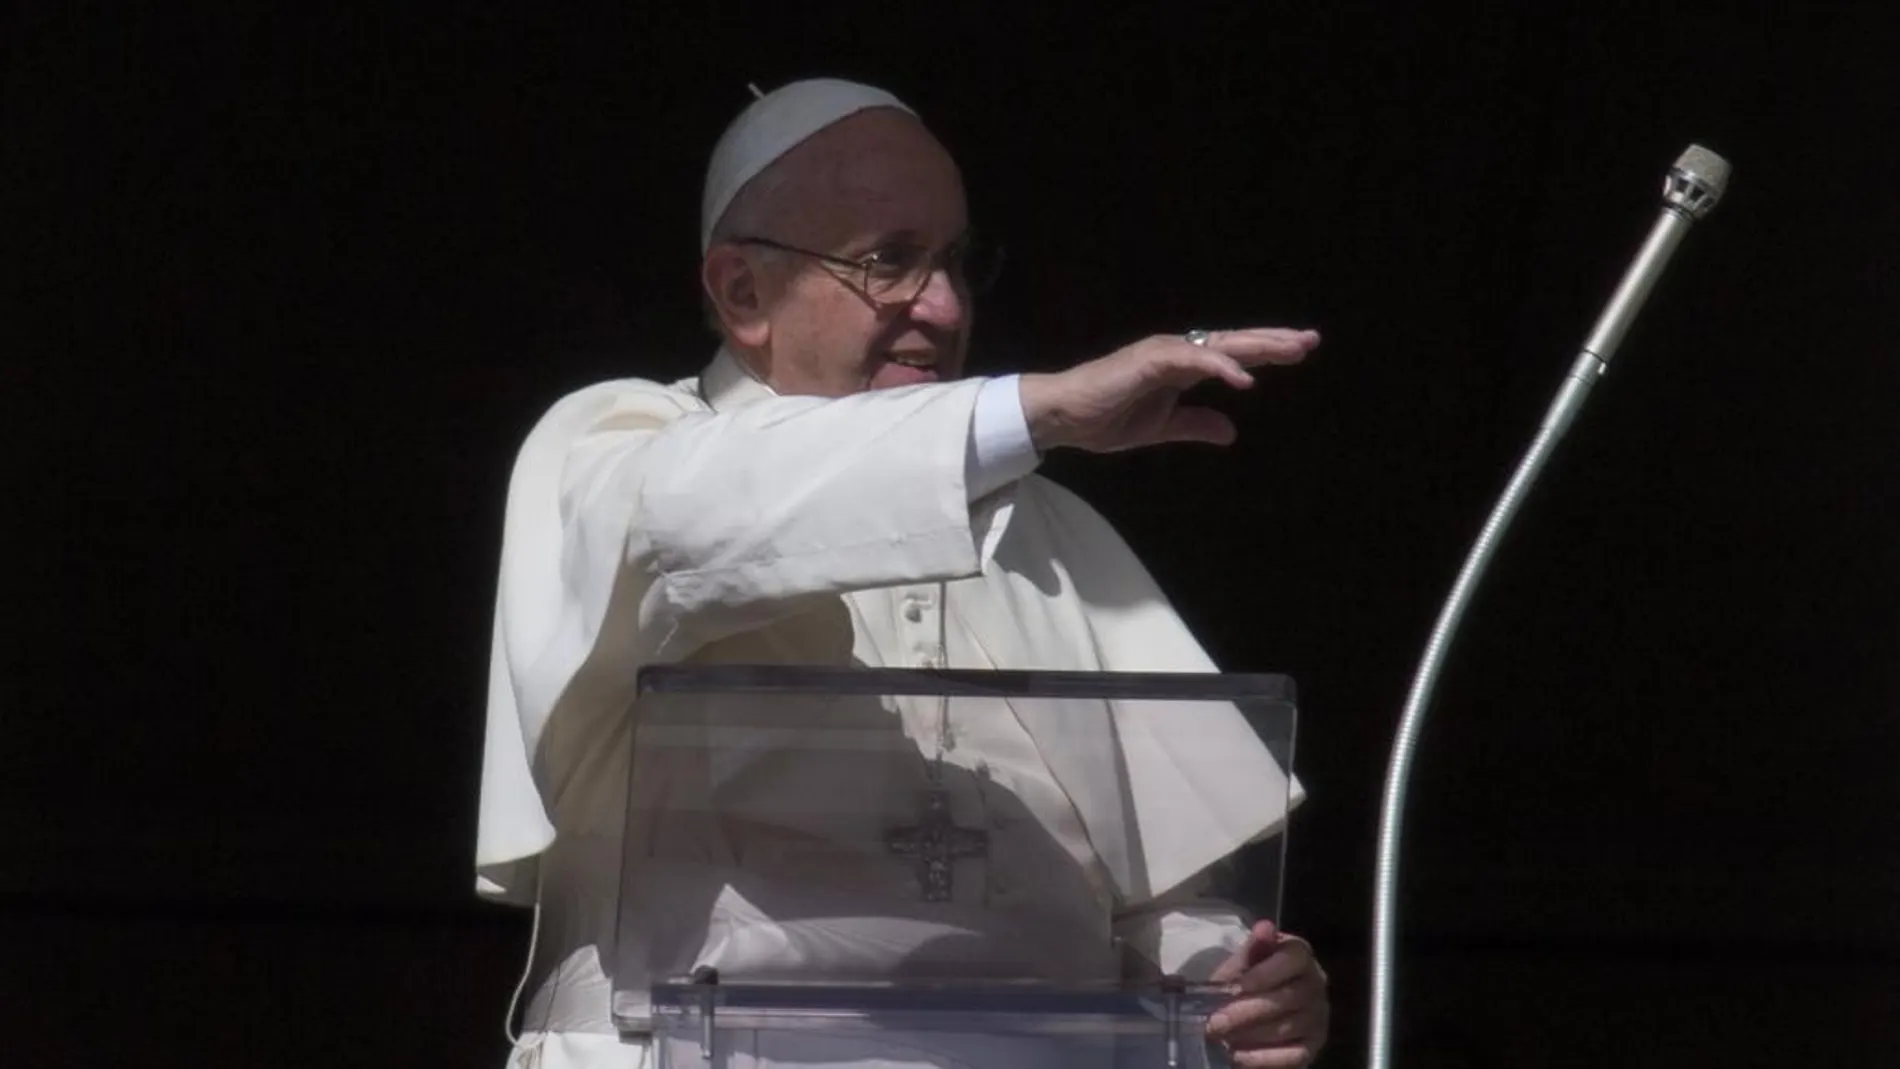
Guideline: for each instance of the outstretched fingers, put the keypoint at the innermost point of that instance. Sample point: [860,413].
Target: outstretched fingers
[1182,364]
[1227,355]
[1263,345]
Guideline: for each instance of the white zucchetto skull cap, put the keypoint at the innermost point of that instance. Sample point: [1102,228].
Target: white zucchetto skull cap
[773,125]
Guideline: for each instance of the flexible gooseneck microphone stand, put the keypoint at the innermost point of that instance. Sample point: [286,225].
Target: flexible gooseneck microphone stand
[1690,192]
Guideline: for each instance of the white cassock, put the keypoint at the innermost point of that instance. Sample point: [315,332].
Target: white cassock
[712,521]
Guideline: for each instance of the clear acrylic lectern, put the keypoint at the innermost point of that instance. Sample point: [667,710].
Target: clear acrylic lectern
[930,867]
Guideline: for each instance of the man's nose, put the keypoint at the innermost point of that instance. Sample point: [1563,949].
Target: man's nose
[941,303]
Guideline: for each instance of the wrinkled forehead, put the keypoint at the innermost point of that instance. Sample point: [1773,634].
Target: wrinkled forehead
[876,173]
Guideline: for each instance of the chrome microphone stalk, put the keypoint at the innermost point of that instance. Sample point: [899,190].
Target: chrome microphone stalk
[1691,190]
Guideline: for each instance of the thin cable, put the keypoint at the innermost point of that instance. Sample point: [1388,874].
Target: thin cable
[527,971]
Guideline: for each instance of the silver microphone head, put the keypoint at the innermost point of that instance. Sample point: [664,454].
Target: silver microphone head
[1696,182]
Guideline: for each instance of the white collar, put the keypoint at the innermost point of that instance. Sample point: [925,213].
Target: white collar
[728,383]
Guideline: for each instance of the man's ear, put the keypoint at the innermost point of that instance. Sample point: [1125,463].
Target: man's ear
[736,291]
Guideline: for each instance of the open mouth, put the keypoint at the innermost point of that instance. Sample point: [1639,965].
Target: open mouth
[921,361]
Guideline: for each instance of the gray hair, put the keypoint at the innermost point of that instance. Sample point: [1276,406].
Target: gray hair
[758,206]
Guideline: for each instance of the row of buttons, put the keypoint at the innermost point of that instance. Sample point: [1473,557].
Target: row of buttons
[915,602]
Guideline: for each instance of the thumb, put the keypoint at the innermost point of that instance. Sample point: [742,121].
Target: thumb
[1190,424]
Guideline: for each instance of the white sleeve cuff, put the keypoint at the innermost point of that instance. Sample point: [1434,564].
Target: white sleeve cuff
[1001,450]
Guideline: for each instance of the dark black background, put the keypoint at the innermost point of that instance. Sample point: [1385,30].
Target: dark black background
[284,290]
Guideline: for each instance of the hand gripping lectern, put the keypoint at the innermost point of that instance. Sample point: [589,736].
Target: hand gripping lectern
[930,867]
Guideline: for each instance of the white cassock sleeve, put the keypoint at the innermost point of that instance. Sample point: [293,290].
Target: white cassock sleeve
[642,526]
[725,521]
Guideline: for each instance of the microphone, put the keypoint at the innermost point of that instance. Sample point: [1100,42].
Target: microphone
[1691,190]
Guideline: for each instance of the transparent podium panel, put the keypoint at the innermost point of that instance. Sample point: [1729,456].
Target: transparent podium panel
[930,861]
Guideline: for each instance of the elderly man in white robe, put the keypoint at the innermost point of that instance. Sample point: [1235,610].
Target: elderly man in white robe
[833,490]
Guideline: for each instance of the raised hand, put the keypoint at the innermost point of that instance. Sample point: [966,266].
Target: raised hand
[1131,397]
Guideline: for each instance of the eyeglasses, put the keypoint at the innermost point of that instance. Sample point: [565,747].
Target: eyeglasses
[898,272]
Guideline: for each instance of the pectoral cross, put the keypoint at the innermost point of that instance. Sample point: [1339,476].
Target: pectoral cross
[937,843]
